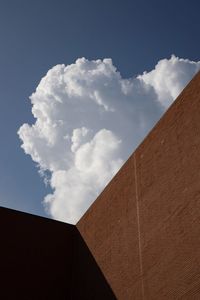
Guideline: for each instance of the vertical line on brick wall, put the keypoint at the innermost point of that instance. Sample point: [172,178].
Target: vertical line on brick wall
[138,225]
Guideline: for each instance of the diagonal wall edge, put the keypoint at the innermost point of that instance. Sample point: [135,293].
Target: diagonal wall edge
[168,188]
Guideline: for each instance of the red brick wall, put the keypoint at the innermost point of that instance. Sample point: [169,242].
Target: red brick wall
[144,229]
[111,232]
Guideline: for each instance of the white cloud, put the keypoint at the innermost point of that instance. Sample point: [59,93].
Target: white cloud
[169,77]
[95,162]
[89,120]
[78,137]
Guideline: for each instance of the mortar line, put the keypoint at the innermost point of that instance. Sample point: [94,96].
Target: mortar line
[138,226]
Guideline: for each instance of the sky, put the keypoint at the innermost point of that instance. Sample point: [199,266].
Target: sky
[95,53]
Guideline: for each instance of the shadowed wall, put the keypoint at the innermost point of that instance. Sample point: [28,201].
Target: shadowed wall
[46,259]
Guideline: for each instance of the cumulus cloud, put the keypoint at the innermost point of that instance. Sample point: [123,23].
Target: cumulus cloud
[169,77]
[89,120]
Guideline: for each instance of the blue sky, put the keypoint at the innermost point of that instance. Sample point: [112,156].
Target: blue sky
[37,35]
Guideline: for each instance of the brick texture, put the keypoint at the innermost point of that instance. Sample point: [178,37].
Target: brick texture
[144,229]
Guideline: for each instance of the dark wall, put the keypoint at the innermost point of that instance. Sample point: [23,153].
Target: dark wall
[36,257]
[144,229]
[46,259]
[89,282]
